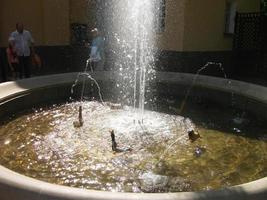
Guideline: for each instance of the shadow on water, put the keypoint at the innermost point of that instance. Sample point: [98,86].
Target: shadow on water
[211,115]
[202,111]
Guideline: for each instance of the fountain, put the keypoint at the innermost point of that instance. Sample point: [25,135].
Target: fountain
[211,150]
[67,144]
[129,27]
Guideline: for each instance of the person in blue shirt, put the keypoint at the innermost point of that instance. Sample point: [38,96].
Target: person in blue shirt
[97,54]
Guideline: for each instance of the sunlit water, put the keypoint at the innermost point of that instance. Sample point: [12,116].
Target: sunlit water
[130,31]
[45,145]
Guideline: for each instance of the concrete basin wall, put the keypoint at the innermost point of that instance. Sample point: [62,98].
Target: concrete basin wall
[15,96]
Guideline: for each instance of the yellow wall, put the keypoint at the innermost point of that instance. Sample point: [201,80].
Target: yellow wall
[172,37]
[79,11]
[48,20]
[83,12]
[191,25]
[13,11]
[248,5]
[56,22]
[204,24]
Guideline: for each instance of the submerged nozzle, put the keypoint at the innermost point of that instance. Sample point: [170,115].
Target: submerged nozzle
[193,135]
[113,141]
[81,114]
[114,144]
[79,123]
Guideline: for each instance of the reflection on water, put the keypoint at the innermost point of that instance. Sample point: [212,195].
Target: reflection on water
[45,145]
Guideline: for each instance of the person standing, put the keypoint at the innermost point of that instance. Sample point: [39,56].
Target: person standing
[2,67]
[97,54]
[12,58]
[24,46]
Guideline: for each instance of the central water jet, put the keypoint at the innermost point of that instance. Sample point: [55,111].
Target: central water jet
[130,29]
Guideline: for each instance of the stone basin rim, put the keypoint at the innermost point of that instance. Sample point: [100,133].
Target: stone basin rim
[17,186]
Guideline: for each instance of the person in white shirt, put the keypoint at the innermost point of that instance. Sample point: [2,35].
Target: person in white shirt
[24,46]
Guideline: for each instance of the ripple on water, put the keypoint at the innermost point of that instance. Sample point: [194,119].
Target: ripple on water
[45,145]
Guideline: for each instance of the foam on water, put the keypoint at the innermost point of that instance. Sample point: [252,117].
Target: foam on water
[45,145]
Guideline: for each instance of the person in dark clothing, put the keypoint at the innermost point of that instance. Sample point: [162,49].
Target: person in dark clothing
[2,67]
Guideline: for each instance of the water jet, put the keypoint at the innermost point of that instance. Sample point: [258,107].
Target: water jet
[16,95]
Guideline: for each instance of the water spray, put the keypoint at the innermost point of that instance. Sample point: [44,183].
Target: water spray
[181,109]
[85,75]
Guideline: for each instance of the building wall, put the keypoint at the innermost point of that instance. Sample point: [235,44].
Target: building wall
[249,6]
[56,24]
[205,22]
[190,25]
[79,11]
[172,38]
[48,20]
[26,11]
[83,12]
[185,30]
[194,31]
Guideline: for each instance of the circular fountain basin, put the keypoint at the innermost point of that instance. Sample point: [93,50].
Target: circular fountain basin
[23,94]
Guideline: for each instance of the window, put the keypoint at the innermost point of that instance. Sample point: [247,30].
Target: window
[160,15]
[264,6]
[230,13]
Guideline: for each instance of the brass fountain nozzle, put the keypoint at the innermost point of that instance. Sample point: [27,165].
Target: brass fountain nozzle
[80,114]
[79,123]
[114,144]
[193,135]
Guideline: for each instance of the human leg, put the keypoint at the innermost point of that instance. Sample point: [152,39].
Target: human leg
[27,66]
[16,70]
[21,67]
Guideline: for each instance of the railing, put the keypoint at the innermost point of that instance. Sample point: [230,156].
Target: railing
[250,32]
[250,41]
